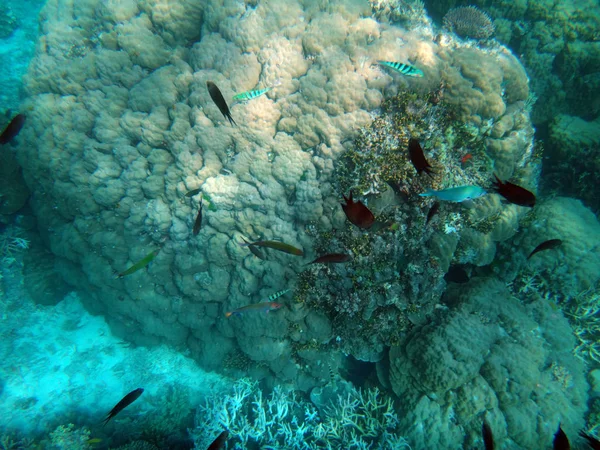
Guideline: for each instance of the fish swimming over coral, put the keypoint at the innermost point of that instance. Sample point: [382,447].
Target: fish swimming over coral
[591,440]
[254,249]
[417,158]
[12,129]
[219,442]
[488,437]
[357,213]
[546,245]
[219,100]
[561,441]
[404,69]
[124,403]
[260,307]
[514,194]
[198,222]
[456,194]
[140,264]
[331,258]
[250,95]
[193,192]
[275,245]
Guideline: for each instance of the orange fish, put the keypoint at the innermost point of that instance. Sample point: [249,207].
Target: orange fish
[465,158]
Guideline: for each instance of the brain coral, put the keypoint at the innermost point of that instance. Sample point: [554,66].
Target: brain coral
[122,127]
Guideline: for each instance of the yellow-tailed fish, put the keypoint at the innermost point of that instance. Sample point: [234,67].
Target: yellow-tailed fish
[275,245]
[404,69]
[140,264]
[249,95]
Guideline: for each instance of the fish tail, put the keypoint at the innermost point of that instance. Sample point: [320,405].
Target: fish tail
[243,244]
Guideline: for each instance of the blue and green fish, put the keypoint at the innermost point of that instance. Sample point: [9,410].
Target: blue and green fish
[404,69]
[250,95]
[456,194]
[260,307]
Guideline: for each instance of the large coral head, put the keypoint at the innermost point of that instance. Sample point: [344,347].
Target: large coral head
[357,213]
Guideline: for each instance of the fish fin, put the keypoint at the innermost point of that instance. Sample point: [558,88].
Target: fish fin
[428,193]
[243,244]
[231,121]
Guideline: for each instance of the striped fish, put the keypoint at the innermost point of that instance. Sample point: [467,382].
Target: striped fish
[249,95]
[404,69]
[278,294]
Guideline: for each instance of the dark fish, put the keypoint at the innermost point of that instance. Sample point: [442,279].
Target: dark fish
[488,437]
[198,222]
[591,440]
[193,192]
[219,442]
[217,97]
[561,441]
[275,245]
[255,251]
[432,212]
[124,403]
[546,245]
[514,194]
[12,129]
[417,157]
[357,213]
[331,258]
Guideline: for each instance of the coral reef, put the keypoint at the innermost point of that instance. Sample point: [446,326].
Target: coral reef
[8,21]
[469,22]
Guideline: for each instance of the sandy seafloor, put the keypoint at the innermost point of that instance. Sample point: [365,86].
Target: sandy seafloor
[433,326]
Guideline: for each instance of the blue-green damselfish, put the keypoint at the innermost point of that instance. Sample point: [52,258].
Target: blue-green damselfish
[456,194]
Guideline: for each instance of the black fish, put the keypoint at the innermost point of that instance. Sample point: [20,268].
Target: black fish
[432,212]
[255,250]
[331,258]
[546,245]
[219,442]
[417,158]
[488,437]
[591,440]
[12,129]
[514,193]
[217,97]
[124,403]
[198,222]
[561,441]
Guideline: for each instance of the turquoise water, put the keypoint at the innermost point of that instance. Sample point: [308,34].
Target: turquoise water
[218,202]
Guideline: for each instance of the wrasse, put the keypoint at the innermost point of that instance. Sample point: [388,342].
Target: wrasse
[275,245]
[331,258]
[417,158]
[250,95]
[357,213]
[404,69]
[12,129]
[219,100]
[255,251]
[488,437]
[546,245]
[591,440]
[514,194]
[432,212]
[219,442]
[124,403]
[260,307]
[193,192]
[140,264]
[198,222]
[561,441]
[456,194]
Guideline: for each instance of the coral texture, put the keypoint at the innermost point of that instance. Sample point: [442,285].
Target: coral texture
[469,22]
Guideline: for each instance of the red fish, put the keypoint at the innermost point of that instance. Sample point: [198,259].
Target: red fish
[465,158]
[357,213]
[12,129]
[261,307]
[561,441]
[417,157]
[514,194]
[546,245]
[331,258]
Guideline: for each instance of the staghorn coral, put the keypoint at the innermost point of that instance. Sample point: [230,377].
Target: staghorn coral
[469,22]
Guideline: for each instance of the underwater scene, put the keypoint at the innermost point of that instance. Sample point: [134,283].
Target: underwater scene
[299,224]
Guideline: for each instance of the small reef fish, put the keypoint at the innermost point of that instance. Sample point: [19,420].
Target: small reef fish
[514,194]
[193,192]
[331,258]
[591,440]
[488,437]
[198,222]
[261,307]
[404,69]
[357,213]
[466,158]
[219,100]
[561,441]
[140,264]
[546,245]
[432,212]
[456,194]
[12,129]
[255,250]
[219,442]
[124,403]
[275,245]
[249,95]
[417,158]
